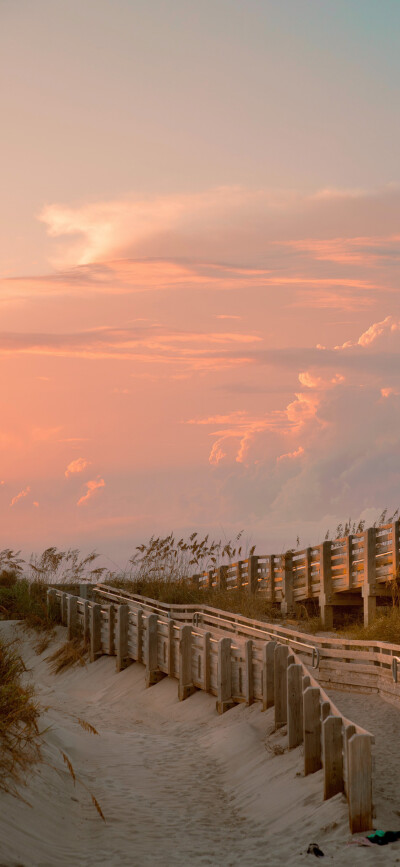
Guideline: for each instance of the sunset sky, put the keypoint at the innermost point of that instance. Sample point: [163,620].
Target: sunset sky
[199,262]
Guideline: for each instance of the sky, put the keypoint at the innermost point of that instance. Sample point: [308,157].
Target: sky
[199,270]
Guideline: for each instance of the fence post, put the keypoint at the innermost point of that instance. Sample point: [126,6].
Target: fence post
[122,627]
[248,649]
[95,631]
[153,675]
[185,687]
[272,578]
[224,700]
[295,705]
[308,572]
[221,578]
[348,733]
[51,604]
[369,588]
[171,648]
[252,574]
[280,684]
[63,608]
[72,617]
[325,587]
[332,756]
[360,784]
[312,730]
[86,621]
[210,574]
[268,670]
[287,584]
[139,635]
[207,661]
[349,561]
[111,626]
[395,548]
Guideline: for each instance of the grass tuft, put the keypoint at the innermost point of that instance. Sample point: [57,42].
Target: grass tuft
[71,653]
[19,714]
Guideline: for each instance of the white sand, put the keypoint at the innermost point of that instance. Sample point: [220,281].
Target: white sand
[178,784]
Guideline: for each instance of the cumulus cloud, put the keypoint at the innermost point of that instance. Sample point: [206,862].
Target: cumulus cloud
[76,466]
[91,487]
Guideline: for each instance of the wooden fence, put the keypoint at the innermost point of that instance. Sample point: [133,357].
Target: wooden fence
[354,570]
[205,650]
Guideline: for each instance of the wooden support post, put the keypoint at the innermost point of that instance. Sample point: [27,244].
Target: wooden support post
[325,589]
[348,733]
[306,682]
[111,630]
[312,730]
[295,705]
[224,700]
[221,578]
[308,573]
[51,604]
[153,674]
[239,574]
[287,604]
[268,674]
[360,784]
[349,561]
[95,631]
[325,710]
[252,574]
[248,649]
[207,661]
[332,756]
[210,574]
[139,635]
[171,649]
[72,617]
[280,684]
[369,583]
[86,621]
[63,608]
[83,591]
[122,632]
[395,549]
[185,687]
[272,578]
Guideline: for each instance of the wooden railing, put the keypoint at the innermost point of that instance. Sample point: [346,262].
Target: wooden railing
[353,570]
[211,650]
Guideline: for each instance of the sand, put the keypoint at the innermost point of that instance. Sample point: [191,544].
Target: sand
[177,783]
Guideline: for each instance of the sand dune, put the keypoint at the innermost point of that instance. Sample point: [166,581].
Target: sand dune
[177,783]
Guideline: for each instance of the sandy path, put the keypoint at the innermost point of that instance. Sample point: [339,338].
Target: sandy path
[178,784]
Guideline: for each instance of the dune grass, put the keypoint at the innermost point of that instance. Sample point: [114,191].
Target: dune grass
[182,591]
[384,627]
[19,714]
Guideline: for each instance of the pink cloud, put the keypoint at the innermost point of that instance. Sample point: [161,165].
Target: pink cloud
[76,466]
[291,455]
[92,486]
[22,494]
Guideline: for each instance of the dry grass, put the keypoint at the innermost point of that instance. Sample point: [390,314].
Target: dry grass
[19,714]
[384,627]
[182,591]
[74,652]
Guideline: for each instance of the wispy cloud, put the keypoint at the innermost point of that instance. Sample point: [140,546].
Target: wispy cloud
[91,487]
[22,494]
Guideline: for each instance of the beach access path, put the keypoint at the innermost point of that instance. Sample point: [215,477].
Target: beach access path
[178,783]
